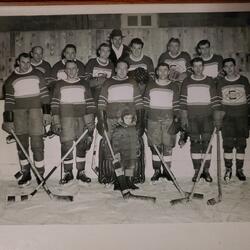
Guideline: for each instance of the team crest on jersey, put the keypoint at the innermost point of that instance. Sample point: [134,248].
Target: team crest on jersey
[139,65]
[102,72]
[234,95]
[178,65]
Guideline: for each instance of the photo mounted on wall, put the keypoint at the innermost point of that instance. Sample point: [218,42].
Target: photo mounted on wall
[125,118]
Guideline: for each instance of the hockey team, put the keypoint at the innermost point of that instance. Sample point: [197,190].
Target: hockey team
[119,97]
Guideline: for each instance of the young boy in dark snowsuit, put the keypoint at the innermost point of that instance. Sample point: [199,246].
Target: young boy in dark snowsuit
[73,111]
[200,112]
[125,142]
[161,101]
[27,111]
[234,92]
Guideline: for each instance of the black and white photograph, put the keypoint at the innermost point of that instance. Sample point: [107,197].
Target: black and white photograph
[137,117]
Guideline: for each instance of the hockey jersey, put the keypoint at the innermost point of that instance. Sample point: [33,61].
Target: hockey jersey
[25,90]
[96,68]
[44,67]
[199,97]
[234,95]
[117,95]
[180,62]
[58,73]
[161,101]
[144,62]
[72,99]
[213,65]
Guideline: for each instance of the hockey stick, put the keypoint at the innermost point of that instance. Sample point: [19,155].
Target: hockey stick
[94,168]
[218,199]
[126,194]
[190,196]
[173,179]
[12,198]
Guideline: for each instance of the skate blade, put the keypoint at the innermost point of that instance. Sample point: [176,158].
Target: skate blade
[227,180]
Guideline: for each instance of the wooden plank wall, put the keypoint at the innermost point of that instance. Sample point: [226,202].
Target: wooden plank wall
[227,41]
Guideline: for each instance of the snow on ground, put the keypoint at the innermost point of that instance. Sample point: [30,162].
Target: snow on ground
[96,204]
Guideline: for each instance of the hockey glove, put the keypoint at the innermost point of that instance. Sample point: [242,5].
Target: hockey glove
[8,126]
[141,75]
[89,120]
[56,125]
[184,119]
[175,126]
[46,119]
[218,116]
[8,121]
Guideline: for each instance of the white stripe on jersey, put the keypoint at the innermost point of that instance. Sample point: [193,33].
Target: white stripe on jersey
[26,87]
[198,94]
[121,93]
[161,98]
[233,95]
[73,95]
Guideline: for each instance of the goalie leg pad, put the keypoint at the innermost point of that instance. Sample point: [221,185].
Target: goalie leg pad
[106,169]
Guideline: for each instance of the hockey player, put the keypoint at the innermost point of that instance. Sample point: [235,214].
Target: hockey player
[179,61]
[68,53]
[99,69]
[118,92]
[161,102]
[27,111]
[39,63]
[234,91]
[200,112]
[125,143]
[137,60]
[73,111]
[118,49]
[212,62]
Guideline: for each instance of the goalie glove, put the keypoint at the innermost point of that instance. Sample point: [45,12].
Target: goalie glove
[141,75]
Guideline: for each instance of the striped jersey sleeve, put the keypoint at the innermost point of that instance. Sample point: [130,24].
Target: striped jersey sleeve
[103,97]
[137,97]
[44,93]
[215,99]
[55,102]
[9,103]
[183,96]
[90,103]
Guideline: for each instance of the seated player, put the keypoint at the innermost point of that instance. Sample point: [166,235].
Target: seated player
[125,142]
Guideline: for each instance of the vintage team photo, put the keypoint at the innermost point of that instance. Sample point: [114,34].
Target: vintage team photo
[125,118]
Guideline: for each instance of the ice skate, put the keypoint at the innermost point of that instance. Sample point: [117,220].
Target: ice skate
[156,176]
[228,175]
[25,180]
[67,178]
[82,177]
[239,173]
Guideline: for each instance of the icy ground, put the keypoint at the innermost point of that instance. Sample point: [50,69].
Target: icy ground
[96,204]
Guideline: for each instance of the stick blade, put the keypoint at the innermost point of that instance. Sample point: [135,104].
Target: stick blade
[198,196]
[63,197]
[177,201]
[213,201]
[131,196]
